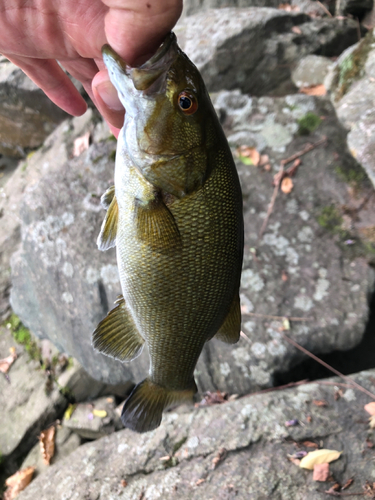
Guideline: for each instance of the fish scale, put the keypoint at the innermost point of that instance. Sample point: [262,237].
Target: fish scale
[175,216]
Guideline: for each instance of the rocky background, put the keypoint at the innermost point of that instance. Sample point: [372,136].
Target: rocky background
[294,88]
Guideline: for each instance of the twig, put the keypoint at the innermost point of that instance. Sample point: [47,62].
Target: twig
[339,494]
[279,177]
[324,8]
[326,365]
[268,316]
[339,384]
[280,387]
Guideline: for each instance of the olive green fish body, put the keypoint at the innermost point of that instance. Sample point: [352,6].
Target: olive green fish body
[176,219]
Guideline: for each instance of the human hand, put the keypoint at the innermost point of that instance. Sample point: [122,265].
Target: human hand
[35,34]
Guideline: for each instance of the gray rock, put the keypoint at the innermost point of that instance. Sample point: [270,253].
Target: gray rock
[353,86]
[249,434]
[65,443]
[255,49]
[27,116]
[26,408]
[355,8]
[328,281]
[311,70]
[89,424]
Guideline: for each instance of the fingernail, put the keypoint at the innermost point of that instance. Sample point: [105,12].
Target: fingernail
[109,96]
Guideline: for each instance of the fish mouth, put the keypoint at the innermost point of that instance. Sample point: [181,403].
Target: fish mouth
[149,78]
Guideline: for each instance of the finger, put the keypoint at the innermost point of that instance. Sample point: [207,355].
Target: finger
[49,76]
[135,29]
[107,101]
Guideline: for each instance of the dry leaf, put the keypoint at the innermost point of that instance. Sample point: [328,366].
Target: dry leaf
[297,30]
[18,482]
[200,481]
[334,489]
[369,443]
[348,483]
[213,398]
[222,453]
[286,185]
[321,472]
[286,324]
[288,7]
[284,276]
[99,413]
[319,457]
[264,159]
[370,408]
[69,411]
[319,402]
[47,444]
[369,489]
[123,483]
[248,155]
[314,90]
[6,363]
[310,444]
[338,394]
[81,144]
[309,419]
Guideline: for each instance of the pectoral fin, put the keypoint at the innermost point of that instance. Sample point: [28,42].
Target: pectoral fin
[229,331]
[117,336]
[107,197]
[107,236]
[156,226]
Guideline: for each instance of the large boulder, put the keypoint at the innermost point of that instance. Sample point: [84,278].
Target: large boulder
[255,49]
[312,262]
[238,450]
[27,116]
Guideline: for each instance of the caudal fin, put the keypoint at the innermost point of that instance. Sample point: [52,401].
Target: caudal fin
[142,411]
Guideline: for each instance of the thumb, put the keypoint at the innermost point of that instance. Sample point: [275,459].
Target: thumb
[107,101]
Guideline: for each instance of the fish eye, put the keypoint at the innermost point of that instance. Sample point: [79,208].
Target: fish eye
[187,102]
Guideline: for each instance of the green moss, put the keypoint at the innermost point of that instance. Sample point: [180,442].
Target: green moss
[97,159]
[178,445]
[22,336]
[352,175]
[112,138]
[112,155]
[308,123]
[351,68]
[330,218]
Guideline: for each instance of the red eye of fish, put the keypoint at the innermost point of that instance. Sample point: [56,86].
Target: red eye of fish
[188,103]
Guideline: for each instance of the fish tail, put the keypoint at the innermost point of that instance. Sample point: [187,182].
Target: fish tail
[142,411]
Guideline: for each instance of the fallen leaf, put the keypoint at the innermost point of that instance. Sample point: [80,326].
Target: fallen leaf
[286,185]
[99,413]
[348,483]
[321,472]
[81,144]
[200,481]
[222,453]
[165,459]
[286,324]
[47,444]
[123,483]
[319,457]
[69,411]
[213,398]
[314,90]
[248,155]
[370,408]
[319,402]
[309,419]
[264,159]
[369,489]
[310,444]
[369,443]
[284,276]
[297,30]
[338,394]
[6,363]
[334,489]
[18,482]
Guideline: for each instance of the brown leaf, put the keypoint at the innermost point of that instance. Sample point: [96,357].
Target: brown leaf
[370,408]
[213,398]
[310,444]
[348,483]
[338,394]
[123,483]
[222,453]
[81,144]
[297,30]
[314,90]
[200,481]
[369,489]
[286,185]
[369,443]
[248,155]
[321,472]
[6,363]
[284,276]
[319,402]
[47,444]
[334,489]
[309,419]
[18,482]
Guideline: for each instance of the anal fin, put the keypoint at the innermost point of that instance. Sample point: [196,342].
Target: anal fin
[117,336]
[229,331]
[143,410]
[108,232]
[156,226]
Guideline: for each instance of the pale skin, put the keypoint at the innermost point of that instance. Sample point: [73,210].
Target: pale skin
[35,34]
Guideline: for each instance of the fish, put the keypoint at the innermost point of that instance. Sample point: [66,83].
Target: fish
[175,216]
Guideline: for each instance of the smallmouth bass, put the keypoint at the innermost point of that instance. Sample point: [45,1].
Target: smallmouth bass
[175,216]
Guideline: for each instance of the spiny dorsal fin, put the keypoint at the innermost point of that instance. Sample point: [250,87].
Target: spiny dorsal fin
[229,331]
[107,236]
[156,226]
[117,336]
[107,197]
[142,411]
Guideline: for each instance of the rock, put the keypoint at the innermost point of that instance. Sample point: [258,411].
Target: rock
[255,49]
[234,450]
[353,84]
[355,8]
[65,443]
[27,116]
[54,153]
[311,70]
[95,419]
[26,408]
